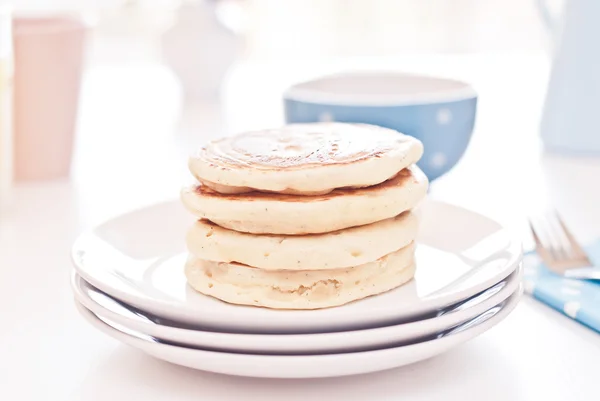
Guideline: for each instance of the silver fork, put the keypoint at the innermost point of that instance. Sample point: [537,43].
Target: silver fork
[558,248]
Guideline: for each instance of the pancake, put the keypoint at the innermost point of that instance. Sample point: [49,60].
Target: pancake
[314,289]
[266,213]
[339,249]
[304,159]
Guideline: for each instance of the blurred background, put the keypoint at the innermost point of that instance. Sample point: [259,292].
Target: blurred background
[160,77]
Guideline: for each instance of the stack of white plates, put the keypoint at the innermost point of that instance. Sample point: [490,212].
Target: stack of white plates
[129,283]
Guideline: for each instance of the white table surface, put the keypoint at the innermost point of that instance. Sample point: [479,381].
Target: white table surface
[131,152]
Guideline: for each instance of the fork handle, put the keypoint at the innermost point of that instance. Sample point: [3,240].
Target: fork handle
[583,273]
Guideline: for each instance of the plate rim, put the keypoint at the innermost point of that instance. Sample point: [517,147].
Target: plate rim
[173,311]
[446,343]
[294,343]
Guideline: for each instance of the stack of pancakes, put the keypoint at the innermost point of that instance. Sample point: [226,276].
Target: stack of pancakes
[303,217]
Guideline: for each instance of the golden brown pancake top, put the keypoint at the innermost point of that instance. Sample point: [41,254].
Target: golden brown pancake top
[299,146]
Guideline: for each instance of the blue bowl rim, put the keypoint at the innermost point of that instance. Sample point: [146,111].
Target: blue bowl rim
[300,93]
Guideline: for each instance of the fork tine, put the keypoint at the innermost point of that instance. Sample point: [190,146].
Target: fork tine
[577,250]
[557,247]
[544,234]
[541,249]
[542,246]
[553,237]
[565,245]
[536,238]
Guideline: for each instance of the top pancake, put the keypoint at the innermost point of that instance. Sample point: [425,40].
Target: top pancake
[304,159]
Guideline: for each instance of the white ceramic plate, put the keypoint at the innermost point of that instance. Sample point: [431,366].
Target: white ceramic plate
[307,366]
[118,314]
[138,258]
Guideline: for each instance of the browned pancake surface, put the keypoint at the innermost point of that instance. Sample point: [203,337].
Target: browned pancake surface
[300,146]
[400,179]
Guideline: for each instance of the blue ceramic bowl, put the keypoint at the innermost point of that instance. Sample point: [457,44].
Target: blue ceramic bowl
[439,112]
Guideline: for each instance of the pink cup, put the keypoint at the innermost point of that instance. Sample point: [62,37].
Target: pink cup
[48,55]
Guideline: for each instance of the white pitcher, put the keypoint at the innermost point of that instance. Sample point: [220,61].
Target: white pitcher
[571,116]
